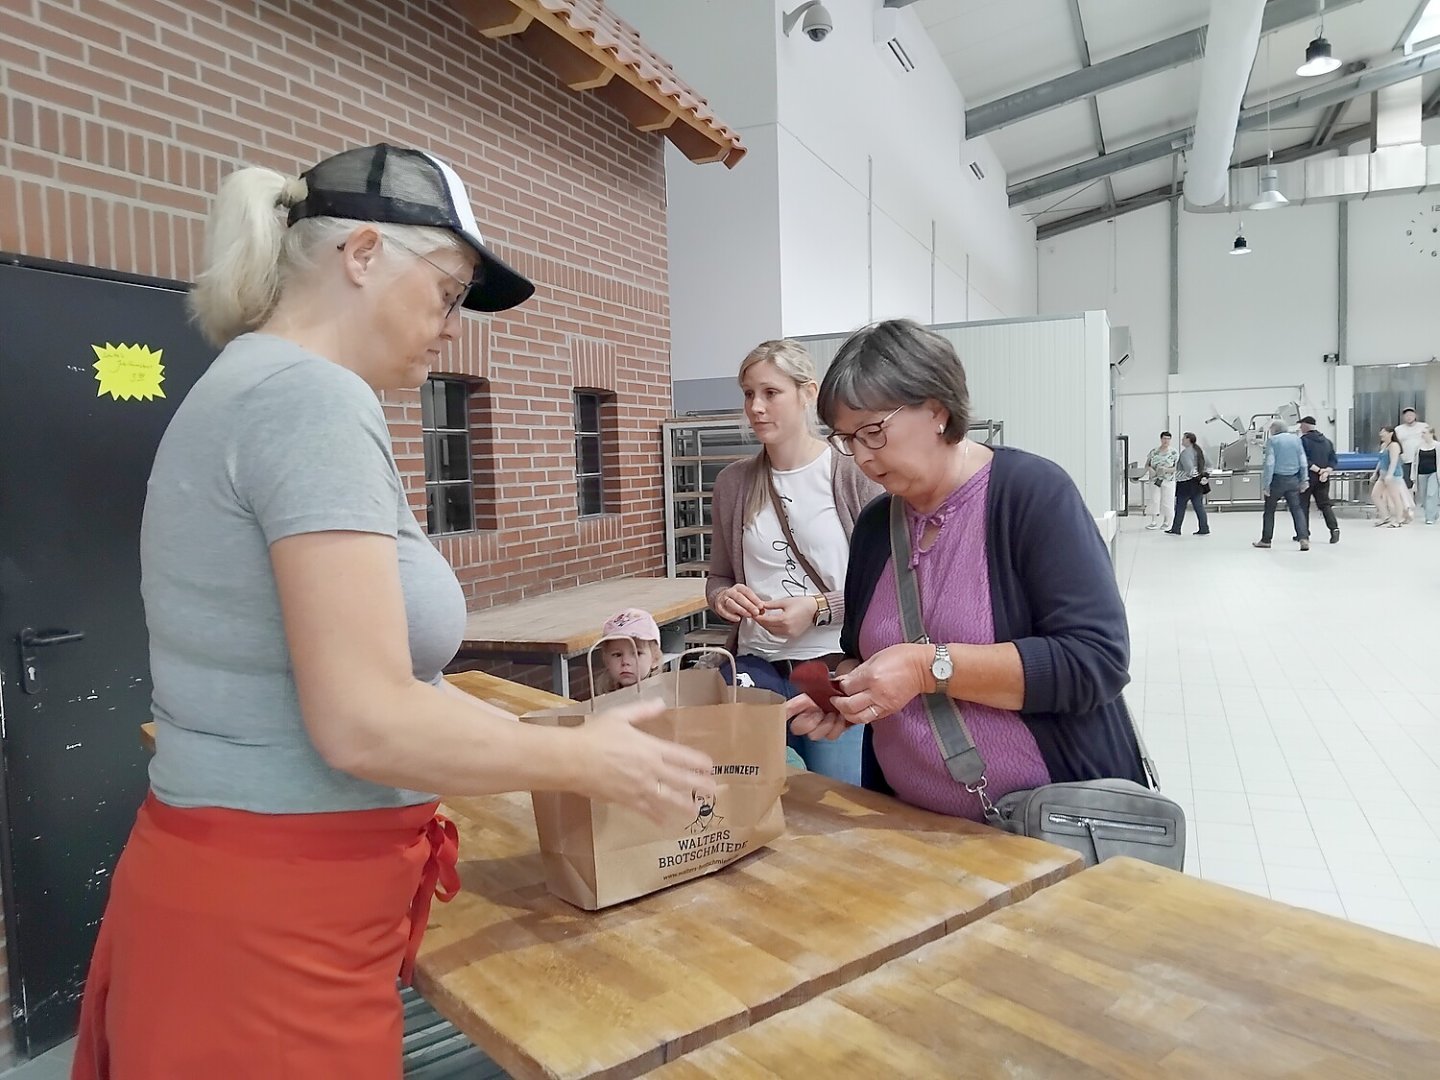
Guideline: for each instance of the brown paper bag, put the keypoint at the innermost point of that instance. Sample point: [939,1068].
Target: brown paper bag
[597,854]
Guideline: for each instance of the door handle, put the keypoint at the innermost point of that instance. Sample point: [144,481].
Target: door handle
[30,640]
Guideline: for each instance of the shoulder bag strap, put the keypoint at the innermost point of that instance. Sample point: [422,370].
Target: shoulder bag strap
[779,504]
[1145,758]
[962,759]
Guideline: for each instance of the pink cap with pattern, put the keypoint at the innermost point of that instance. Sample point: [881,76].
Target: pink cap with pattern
[633,622]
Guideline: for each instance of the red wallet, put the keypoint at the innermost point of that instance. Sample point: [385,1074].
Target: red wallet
[813,678]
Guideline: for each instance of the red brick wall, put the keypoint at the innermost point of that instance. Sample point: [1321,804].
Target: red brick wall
[118,119]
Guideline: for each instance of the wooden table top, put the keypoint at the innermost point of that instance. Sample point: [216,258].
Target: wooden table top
[569,621]
[549,990]
[513,697]
[1124,970]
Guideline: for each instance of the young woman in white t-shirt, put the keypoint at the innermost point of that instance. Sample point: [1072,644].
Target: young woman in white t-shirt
[757,578]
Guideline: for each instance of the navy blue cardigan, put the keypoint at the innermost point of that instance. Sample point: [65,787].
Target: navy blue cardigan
[1053,594]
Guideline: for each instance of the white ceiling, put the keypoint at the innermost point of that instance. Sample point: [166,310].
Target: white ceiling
[997,47]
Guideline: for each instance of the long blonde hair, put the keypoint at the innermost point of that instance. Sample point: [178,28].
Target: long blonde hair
[251,255]
[791,359]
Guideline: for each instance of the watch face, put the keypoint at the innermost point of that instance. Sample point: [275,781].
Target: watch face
[1423,232]
[942,667]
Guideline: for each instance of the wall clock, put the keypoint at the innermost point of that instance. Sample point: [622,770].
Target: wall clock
[1423,232]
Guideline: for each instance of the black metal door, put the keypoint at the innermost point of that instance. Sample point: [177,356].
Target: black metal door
[84,361]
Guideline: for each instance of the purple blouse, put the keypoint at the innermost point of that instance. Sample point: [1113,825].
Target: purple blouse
[954,583]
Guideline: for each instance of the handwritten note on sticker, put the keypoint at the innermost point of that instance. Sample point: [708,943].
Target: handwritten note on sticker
[129,371]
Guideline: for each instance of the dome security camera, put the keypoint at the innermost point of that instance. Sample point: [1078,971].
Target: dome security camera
[817,22]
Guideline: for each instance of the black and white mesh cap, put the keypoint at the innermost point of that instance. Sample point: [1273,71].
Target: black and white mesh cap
[400,186]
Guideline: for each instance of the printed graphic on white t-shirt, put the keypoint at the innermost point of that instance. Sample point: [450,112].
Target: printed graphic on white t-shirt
[772,569]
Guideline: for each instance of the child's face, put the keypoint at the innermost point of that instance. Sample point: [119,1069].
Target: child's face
[627,661]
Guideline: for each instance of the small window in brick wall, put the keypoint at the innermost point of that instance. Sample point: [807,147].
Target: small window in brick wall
[449,481]
[590,451]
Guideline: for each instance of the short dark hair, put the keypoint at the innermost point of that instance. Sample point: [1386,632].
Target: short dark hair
[1166,435]
[894,363]
[1308,420]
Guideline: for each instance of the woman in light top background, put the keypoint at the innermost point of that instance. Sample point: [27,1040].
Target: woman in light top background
[787,611]
[1427,481]
[1389,493]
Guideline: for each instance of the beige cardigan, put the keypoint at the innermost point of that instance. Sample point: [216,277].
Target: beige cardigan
[853,491]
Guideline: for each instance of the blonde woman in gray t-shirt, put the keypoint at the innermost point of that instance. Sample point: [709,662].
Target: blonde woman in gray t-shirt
[279,874]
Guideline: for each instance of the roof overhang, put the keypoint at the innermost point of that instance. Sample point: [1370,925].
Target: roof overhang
[591,50]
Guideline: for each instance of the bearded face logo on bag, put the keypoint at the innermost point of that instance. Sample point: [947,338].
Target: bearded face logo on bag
[705,816]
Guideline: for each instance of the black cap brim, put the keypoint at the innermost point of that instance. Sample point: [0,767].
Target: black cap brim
[498,286]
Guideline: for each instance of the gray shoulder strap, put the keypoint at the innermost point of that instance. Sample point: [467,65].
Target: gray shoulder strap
[947,723]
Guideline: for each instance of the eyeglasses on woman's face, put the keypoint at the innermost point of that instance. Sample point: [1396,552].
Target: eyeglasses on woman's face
[463,286]
[870,436]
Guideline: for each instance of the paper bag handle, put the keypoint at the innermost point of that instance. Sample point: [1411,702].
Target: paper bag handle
[590,663]
[734,668]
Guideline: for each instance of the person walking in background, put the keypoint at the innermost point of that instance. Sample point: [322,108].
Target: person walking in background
[1408,433]
[1320,457]
[1389,491]
[1427,482]
[1160,467]
[1284,476]
[1190,485]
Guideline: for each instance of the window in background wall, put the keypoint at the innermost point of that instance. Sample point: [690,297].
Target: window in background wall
[589,451]
[449,484]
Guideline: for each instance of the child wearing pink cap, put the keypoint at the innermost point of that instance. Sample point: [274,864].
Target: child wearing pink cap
[627,662]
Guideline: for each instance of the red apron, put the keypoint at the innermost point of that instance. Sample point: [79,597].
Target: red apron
[245,945]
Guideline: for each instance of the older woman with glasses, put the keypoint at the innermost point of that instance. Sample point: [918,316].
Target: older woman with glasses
[280,873]
[1023,624]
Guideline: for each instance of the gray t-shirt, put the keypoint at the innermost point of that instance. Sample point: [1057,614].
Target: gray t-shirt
[272,441]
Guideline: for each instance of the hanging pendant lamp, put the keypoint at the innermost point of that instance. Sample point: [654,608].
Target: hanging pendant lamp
[1318,59]
[1240,247]
[1270,195]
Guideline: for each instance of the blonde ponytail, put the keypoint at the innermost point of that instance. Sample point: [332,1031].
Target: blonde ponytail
[240,283]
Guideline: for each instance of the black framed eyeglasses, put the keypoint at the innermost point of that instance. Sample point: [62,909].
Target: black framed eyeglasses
[870,436]
[465,286]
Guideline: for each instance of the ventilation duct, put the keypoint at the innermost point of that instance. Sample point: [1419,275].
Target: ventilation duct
[1230,44]
[1399,165]
[1391,170]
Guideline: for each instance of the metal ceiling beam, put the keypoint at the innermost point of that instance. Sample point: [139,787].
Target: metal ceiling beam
[1077,25]
[1415,17]
[898,3]
[1337,141]
[1087,82]
[1331,116]
[1162,146]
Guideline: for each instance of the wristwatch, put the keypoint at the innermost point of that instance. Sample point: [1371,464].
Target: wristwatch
[942,667]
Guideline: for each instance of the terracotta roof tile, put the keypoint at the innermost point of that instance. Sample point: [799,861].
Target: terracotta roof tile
[623,41]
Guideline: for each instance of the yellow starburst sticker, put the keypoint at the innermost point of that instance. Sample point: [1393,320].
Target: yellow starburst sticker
[129,371]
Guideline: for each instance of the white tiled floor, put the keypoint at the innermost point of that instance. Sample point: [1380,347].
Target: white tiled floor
[1292,703]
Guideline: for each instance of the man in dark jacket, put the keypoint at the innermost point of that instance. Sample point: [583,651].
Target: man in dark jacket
[1320,453]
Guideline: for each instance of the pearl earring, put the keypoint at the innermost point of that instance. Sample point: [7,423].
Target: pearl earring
[939,431]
